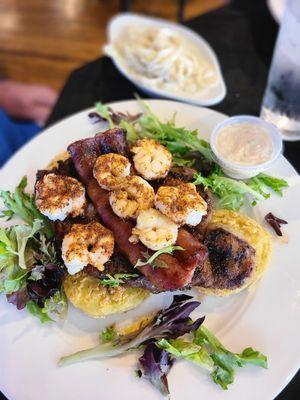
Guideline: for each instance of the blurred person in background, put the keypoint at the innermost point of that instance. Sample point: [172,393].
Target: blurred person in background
[24,109]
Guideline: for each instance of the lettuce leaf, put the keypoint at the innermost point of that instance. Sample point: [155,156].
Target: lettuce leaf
[180,348]
[232,193]
[37,312]
[104,112]
[177,140]
[155,365]
[224,360]
[132,134]
[262,182]
[14,282]
[56,306]
[209,353]
[23,205]
[16,255]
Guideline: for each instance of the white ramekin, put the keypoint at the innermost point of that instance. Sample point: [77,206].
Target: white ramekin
[239,171]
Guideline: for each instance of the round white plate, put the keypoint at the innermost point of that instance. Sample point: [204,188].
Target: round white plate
[206,97]
[266,317]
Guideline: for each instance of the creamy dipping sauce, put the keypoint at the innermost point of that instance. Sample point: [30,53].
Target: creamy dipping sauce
[245,144]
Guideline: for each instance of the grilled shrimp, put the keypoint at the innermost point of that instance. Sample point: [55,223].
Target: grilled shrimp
[58,196]
[87,244]
[135,195]
[151,159]
[182,203]
[154,230]
[110,170]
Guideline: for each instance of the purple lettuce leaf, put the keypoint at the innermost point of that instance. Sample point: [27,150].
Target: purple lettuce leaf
[50,282]
[175,320]
[116,116]
[38,290]
[19,298]
[155,364]
[275,223]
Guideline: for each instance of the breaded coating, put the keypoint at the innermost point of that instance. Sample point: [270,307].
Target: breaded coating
[135,196]
[182,203]
[151,159]
[58,196]
[110,170]
[87,244]
[155,230]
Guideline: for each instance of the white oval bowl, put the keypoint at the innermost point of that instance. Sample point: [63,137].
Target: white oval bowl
[206,97]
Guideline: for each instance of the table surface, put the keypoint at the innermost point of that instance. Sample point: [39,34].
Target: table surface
[243,36]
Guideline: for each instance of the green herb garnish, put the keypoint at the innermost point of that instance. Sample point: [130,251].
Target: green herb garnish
[151,260]
[109,334]
[116,280]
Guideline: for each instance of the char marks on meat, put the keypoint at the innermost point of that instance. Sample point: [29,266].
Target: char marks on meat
[180,268]
[230,262]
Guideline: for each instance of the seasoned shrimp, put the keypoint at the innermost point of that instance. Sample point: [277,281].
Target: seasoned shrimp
[182,203]
[151,159]
[58,196]
[154,230]
[135,195]
[110,170]
[85,244]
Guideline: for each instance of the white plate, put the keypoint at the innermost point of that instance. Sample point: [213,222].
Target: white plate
[206,97]
[267,317]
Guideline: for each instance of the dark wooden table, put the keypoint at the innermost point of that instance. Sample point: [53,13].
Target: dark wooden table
[243,37]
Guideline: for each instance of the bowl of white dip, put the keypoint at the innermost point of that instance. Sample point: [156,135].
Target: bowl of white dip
[245,146]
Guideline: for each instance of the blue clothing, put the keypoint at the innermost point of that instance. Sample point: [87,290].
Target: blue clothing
[13,134]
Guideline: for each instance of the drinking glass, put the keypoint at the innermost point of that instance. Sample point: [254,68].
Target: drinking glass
[281,102]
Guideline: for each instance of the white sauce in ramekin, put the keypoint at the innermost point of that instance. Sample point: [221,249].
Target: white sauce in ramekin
[244,144]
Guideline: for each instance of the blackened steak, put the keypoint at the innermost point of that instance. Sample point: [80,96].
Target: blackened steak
[230,262]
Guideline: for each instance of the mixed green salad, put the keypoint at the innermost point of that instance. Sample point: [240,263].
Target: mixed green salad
[30,272]
[169,336]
